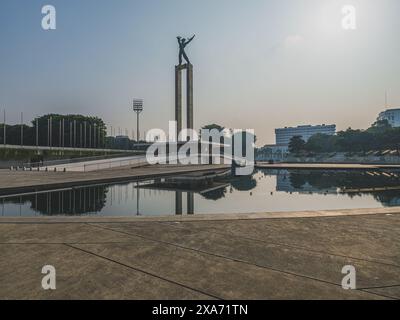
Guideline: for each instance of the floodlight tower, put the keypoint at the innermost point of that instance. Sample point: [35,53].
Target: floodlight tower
[138,108]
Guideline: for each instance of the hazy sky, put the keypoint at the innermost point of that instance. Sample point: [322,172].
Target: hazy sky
[259,64]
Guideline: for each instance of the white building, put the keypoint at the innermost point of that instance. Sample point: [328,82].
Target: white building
[392,116]
[284,135]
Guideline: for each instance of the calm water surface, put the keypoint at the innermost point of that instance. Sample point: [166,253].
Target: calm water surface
[266,190]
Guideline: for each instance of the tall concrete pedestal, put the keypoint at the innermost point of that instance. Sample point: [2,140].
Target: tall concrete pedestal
[189,97]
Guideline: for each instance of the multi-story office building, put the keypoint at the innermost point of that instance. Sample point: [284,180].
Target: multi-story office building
[284,135]
[392,116]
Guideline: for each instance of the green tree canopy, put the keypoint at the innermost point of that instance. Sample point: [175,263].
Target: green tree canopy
[297,144]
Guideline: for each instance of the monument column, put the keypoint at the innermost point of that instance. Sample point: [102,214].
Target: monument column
[189,96]
[178,99]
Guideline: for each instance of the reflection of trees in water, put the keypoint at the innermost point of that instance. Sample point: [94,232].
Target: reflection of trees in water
[341,179]
[348,180]
[297,181]
[67,202]
[215,194]
[388,198]
[244,183]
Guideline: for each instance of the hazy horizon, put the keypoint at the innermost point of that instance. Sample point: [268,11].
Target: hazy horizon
[257,64]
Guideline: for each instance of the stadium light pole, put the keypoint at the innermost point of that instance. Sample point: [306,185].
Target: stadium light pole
[138,108]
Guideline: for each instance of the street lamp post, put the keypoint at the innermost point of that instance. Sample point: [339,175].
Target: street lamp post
[50,131]
[37,131]
[63,133]
[84,138]
[5,135]
[90,136]
[94,135]
[60,133]
[80,135]
[70,135]
[74,133]
[138,108]
[22,129]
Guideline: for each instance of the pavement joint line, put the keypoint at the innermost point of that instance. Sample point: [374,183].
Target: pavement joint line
[61,242]
[289,246]
[144,272]
[381,287]
[379,294]
[229,258]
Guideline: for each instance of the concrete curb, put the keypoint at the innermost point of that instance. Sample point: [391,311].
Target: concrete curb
[205,217]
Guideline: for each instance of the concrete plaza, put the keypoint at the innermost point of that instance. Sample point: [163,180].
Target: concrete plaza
[262,256]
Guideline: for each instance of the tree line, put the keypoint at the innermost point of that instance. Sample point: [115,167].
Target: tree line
[380,136]
[55,130]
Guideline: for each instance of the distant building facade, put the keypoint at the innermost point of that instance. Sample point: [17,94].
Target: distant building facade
[272,152]
[392,116]
[284,135]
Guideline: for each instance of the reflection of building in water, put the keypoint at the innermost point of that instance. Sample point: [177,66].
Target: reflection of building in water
[286,182]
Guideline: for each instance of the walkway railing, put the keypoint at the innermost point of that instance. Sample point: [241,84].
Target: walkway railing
[114,164]
[44,148]
[69,161]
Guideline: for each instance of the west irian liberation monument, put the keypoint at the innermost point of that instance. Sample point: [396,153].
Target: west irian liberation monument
[189,87]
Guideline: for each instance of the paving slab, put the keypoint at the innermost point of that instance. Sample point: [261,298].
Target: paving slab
[78,276]
[57,233]
[219,277]
[311,264]
[293,258]
[350,236]
[388,291]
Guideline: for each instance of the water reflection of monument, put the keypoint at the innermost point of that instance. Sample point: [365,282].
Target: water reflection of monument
[212,186]
[179,202]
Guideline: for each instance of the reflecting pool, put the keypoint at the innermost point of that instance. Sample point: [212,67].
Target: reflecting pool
[264,191]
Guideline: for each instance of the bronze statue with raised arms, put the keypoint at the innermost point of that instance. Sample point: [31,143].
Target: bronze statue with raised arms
[182,45]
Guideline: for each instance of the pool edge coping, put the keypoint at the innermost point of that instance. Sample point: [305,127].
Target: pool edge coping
[206,217]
